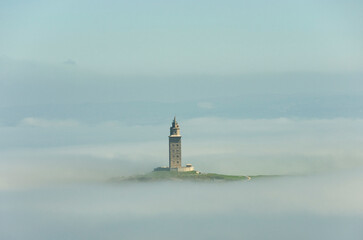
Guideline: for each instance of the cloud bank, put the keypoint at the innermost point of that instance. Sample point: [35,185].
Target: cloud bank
[42,150]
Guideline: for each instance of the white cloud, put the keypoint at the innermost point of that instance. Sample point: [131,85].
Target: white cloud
[39,122]
[70,62]
[205,105]
[75,150]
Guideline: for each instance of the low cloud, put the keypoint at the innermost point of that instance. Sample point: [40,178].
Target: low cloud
[205,105]
[39,122]
[70,62]
[42,150]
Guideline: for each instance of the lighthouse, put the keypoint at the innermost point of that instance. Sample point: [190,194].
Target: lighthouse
[175,154]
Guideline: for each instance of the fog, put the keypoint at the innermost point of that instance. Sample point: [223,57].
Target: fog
[310,207]
[39,151]
[65,132]
[54,180]
[58,151]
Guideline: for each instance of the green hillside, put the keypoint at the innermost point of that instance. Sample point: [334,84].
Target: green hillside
[180,176]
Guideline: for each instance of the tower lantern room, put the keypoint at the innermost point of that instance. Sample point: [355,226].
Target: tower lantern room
[175,129]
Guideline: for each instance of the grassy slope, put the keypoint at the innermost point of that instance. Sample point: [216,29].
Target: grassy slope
[193,176]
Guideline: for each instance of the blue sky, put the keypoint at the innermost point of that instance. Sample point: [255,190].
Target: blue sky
[186,37]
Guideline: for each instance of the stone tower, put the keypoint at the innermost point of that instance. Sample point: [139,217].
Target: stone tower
[174,146]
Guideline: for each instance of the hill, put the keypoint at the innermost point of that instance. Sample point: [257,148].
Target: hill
[181,176]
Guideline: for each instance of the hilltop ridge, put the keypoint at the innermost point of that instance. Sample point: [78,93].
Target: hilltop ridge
[182,176]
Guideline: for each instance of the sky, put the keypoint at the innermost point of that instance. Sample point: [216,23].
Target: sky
[88,90]
[186,37]
[282,79]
